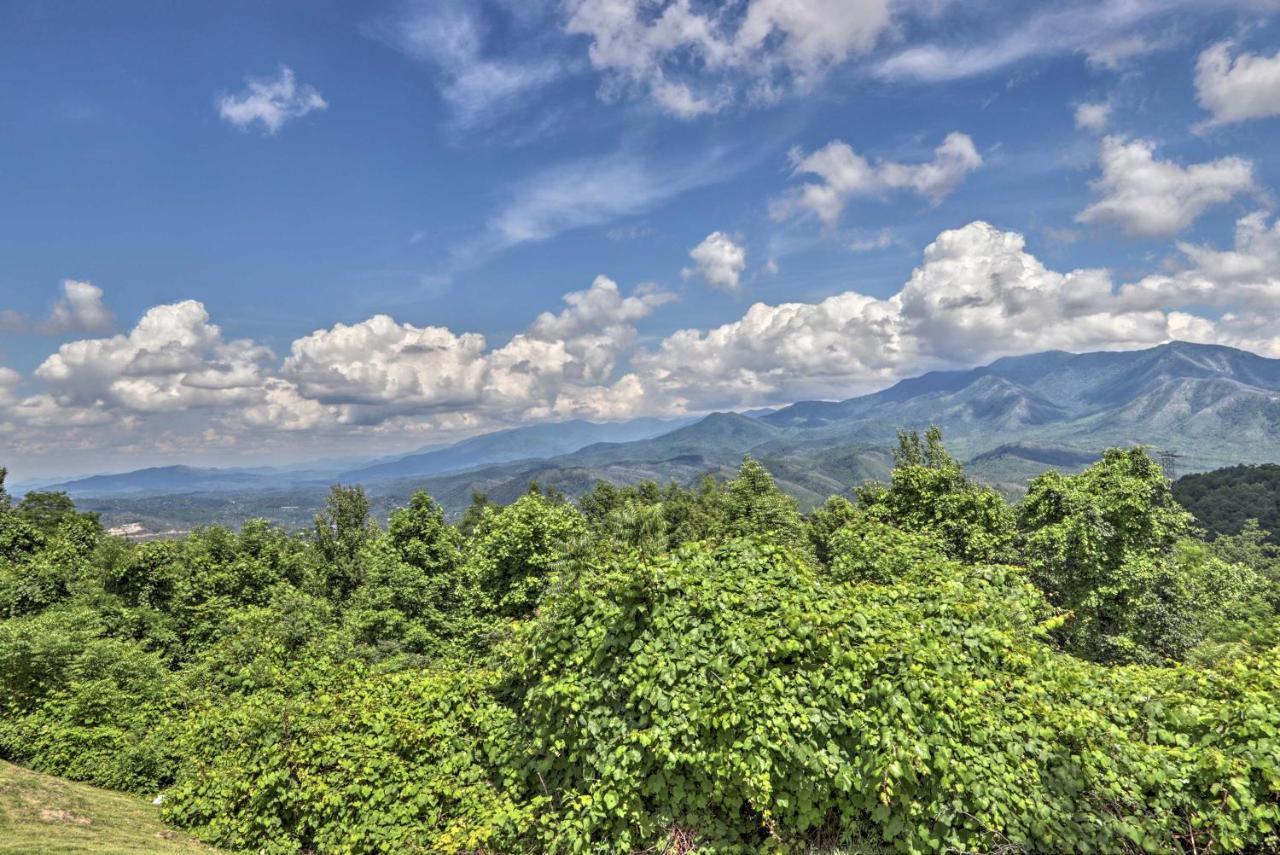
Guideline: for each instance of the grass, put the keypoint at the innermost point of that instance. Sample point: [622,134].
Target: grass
[49,816]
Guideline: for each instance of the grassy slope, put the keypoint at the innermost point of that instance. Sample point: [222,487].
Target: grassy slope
[50,816]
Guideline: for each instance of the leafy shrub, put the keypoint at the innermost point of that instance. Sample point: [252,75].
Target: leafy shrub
[105,723]
[399,763]
[732,696]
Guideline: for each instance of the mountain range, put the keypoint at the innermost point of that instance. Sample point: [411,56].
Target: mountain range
[1206,405]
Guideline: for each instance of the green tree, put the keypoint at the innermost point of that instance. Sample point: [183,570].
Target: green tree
[754,505]
[824,522]
[341,531]
[474,513]
[513,552]
[930,494]
[1101,545]
[46,511]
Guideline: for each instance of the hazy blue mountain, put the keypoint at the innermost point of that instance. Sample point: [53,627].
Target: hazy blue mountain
[717,438]
[185,479]
[533,442]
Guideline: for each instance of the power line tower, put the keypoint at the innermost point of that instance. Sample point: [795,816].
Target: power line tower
[1168,461]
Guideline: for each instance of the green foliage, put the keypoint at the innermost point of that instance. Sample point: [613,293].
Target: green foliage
[1252,547]
[341,531]
[410,762]
[1104,545]
[755,505]
[102,721]
[824,522]
[653,519]
[926,670]
[930,494]
[1225,500]
[731,696]
[513,551]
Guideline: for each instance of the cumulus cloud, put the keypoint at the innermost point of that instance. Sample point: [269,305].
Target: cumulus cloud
[270,102]
[79,309]
[371,371]
[1151,198]
[718,261]
[173,359]
[844,174]
[977,295]
[697,60]
[1093,116]
[1239,87]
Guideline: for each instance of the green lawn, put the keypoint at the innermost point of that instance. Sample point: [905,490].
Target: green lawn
[43,815]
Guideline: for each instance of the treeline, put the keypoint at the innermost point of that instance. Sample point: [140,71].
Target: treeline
[1224,501]
[919,667]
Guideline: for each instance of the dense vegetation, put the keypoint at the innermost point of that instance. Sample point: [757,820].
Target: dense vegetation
[919,667]
[1225,500]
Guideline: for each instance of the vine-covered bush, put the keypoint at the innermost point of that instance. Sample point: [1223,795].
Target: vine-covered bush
[407,762]
[734,696]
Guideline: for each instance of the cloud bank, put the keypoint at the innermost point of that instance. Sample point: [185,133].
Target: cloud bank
[977,294]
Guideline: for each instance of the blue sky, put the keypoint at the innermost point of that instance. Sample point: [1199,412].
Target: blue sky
[247,232]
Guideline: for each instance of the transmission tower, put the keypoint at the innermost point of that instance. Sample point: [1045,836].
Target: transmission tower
[1168,461]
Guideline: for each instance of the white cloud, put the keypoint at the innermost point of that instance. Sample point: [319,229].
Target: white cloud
[1108,33]
[844,174]
[1093,116]
[172,360]
[719,261]
[10,380]
[1150,198]
[270,102]
[379,369]
[697,60]
[79,309]
[591,192]
[1245,277]
[452,36]
[1237,88]
[882,239]
[976,295]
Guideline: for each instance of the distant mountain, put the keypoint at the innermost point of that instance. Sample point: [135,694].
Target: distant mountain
[1212,404]
[165,479]
[534,442]
[1010,420]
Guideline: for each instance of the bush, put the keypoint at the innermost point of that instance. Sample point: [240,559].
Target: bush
[373,764]
[731,696]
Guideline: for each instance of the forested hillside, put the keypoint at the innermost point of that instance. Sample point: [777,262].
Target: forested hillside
[1224,500]
[917,666]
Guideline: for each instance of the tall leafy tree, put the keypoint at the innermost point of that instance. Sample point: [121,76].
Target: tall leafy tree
[929,493]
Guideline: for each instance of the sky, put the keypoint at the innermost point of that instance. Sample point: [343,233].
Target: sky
[251,233]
